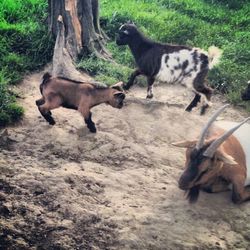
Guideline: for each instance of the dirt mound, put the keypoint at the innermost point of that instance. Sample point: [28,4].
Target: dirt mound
[64,188]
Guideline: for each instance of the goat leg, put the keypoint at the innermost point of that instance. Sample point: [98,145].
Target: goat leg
[219,185]
[204,108]
[47,116]
[201,88]
[90,123]
[150,87]
[193,103]
[240,193]
[52,101]
[207,92]
[131,80]
[40,102]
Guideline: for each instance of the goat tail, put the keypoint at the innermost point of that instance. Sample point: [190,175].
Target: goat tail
[45,79]
[214,55]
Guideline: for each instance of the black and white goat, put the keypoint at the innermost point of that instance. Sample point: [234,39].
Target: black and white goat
[169,63]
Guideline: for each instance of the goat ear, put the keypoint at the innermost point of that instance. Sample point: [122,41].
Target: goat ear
[130,22]
[184,144]
[118,86]
[226,158]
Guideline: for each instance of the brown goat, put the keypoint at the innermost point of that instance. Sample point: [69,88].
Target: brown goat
[218,162]
[61,92]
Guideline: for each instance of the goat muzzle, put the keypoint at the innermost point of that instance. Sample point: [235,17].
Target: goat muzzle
[119,41]
[120,105]
[183,185]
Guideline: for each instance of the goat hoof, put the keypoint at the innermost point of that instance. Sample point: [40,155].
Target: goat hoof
[236,201]
[203,109]
[150,96]
[92,130]
[188,109]
[52,123]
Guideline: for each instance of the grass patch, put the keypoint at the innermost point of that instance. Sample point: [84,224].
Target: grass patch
[9,110]
[24,46]
[202,23]
[106,72]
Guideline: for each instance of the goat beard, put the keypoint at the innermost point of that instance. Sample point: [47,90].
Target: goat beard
[192,194]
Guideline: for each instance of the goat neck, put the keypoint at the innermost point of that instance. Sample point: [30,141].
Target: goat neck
[139,45]
[100,96]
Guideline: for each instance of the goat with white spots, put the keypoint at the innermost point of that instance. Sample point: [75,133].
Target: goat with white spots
[174,64]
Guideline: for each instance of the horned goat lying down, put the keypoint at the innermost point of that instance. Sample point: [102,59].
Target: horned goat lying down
[61,92]
[174,64]
[218,161]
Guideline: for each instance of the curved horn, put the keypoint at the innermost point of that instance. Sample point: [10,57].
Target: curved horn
[207,126]
[213,147]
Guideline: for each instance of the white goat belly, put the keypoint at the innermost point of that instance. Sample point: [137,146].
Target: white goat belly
[172,70]
[243,136]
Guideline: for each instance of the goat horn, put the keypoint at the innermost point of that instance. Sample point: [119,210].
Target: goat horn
[213,147]
[207,126]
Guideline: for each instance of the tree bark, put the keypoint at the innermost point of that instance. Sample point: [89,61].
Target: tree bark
[75,24]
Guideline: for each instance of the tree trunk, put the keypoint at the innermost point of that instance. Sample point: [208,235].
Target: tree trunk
[75,24]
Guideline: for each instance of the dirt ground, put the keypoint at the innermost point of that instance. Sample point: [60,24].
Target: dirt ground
[62,187]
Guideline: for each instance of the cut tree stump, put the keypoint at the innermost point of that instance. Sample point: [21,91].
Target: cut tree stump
[75,24]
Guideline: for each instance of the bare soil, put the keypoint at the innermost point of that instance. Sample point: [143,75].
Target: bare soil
[62,187]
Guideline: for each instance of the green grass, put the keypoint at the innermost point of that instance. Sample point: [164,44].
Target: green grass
[9,110]
[24,46]
[199,23]
[106,72]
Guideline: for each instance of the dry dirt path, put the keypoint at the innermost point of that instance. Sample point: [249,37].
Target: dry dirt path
[64,188]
